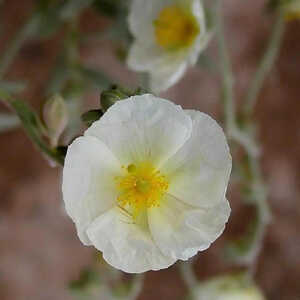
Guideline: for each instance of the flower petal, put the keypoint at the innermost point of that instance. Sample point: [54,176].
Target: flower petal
[126,246]
[88,182]
[141,17]
[199,172]
[204,37]
[180,230]
[144,12]
[165,68]
[166,76]
[149,57]
[143,128]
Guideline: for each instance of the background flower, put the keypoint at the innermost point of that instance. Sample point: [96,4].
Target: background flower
[169,35]
[228,287]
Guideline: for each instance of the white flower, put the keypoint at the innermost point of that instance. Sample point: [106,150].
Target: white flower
[146,183]
[230,287]
[169,35]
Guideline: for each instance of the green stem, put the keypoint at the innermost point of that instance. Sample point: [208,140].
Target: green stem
[8,122]
[189,277]
[265,64]
[32,126]
[136,288]
[227,74]
[244,137]
[12,49]
[4,96]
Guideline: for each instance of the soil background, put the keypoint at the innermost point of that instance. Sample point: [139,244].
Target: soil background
[39,249]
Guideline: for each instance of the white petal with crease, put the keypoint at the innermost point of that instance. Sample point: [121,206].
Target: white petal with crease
[124,245]
[180,231]
[200,170]
[88,182]
[143,128]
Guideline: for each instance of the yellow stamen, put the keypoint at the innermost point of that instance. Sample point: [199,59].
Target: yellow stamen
[292,15]
[175,28]
[140,188]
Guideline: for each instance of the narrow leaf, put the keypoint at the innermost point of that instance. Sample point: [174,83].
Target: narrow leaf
[8,122]
[32,126]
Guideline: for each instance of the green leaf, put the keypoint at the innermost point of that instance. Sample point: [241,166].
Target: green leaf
[49,23]
[111,8]
[12,86]
[95,77]
[59,76]
[91,116]
[206,62]
[28,29]
[119,31]
[55,13]
[32,126]
[8,122]
[73,8]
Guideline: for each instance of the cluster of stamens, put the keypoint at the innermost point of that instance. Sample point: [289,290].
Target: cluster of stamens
[175,28]
[140,188]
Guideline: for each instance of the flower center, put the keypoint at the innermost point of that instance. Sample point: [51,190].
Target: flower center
[141,187]
[292,15]
[175,28]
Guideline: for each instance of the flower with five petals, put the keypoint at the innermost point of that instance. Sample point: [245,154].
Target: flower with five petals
[146,183]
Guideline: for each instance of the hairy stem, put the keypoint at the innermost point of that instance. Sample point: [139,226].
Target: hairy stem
[189,277]
[32,126]
[265,64]
[227,74]
[13,48]
[244,137]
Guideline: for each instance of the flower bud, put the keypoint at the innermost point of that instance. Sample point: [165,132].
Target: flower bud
[55,115]
[229,287]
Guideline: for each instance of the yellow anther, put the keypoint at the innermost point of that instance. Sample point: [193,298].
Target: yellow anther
[293,15]
[142,187]
[175,28]
[131,168]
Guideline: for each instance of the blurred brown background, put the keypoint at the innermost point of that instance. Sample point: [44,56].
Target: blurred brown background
[39,249]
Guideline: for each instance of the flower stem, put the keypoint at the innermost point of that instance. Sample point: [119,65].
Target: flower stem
[265,64]
[15,45]
[244,136]
[189,277]
[227,74]
[32,126]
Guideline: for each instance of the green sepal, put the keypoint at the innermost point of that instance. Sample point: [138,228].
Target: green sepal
[111,8]
[91,116]
[87,277]
[117,93]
